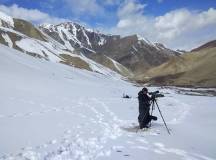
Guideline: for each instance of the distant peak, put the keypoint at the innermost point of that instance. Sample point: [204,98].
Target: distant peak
[46,25]
[160,45]
[8,19]
[141,38]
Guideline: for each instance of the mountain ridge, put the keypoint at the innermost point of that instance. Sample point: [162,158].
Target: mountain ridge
[114,46]
[27,38]
[72,44]
[192,69]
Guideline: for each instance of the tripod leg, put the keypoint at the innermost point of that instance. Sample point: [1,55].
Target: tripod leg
[152,111]
[162,117]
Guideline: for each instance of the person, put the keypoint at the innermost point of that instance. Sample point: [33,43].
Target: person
[144,117]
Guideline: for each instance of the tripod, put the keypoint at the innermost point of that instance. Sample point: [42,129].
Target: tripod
[154,101]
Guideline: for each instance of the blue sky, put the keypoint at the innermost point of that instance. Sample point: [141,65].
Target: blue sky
[61,9]
[166,21]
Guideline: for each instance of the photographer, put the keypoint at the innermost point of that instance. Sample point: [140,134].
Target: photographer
[144,117]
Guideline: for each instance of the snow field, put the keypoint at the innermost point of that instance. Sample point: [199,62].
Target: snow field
[50,111]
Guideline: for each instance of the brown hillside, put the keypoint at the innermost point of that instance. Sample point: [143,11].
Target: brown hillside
[210,44]
[191,69]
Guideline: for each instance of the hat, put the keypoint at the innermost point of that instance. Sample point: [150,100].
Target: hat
[145,89]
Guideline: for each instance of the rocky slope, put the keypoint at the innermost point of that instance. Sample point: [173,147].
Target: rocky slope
[133,52]
[73,44]
[133,56]
[196,68]
[23,36]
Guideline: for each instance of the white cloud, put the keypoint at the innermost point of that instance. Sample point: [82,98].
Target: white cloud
[88,7]
[182,28]
[130,8]
[32,15]
[112,2]
[160,1]
[180,21]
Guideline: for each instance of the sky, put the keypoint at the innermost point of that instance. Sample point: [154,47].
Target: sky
[178,24]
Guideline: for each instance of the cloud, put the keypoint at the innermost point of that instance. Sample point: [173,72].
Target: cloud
[32,15]
[112,2]
[160,1]
[181,28]
[82,7]
[177,29]
[130,8]
[175,23]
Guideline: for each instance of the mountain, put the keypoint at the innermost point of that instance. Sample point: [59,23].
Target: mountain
[196,68]
[25,37]
[210,44]
[133,52]
[73,44]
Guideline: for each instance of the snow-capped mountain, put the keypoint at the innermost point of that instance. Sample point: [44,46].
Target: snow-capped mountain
[73,44]
[23,36]
[134,52]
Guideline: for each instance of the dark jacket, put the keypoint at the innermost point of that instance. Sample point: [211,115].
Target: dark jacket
[144,108]
[144,101]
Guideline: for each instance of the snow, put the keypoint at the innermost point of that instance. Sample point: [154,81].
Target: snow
[134,48]
[102,41]
[7,39]
[12,31]
[87,38]
[89,30]
[51,50]
[50,111]
[7,19]
[116,64]
[35,46]
[100,68]
[74,30]
[47,26]
[69,36]
[140,38]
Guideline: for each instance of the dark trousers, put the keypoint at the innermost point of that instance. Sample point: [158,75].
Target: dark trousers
[144,118]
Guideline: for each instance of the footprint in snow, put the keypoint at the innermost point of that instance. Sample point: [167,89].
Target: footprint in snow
[53,141]
[29,114]
[68,131]
[126,155]
[13,115]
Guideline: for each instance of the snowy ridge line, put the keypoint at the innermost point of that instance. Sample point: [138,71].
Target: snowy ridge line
[53,41]
[116,64]
[87,38]
[6,18]
[101,69]
[7,39]
[102,41]
[36,46]
[13,31]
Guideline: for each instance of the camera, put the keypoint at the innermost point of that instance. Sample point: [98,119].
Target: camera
[156,94]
